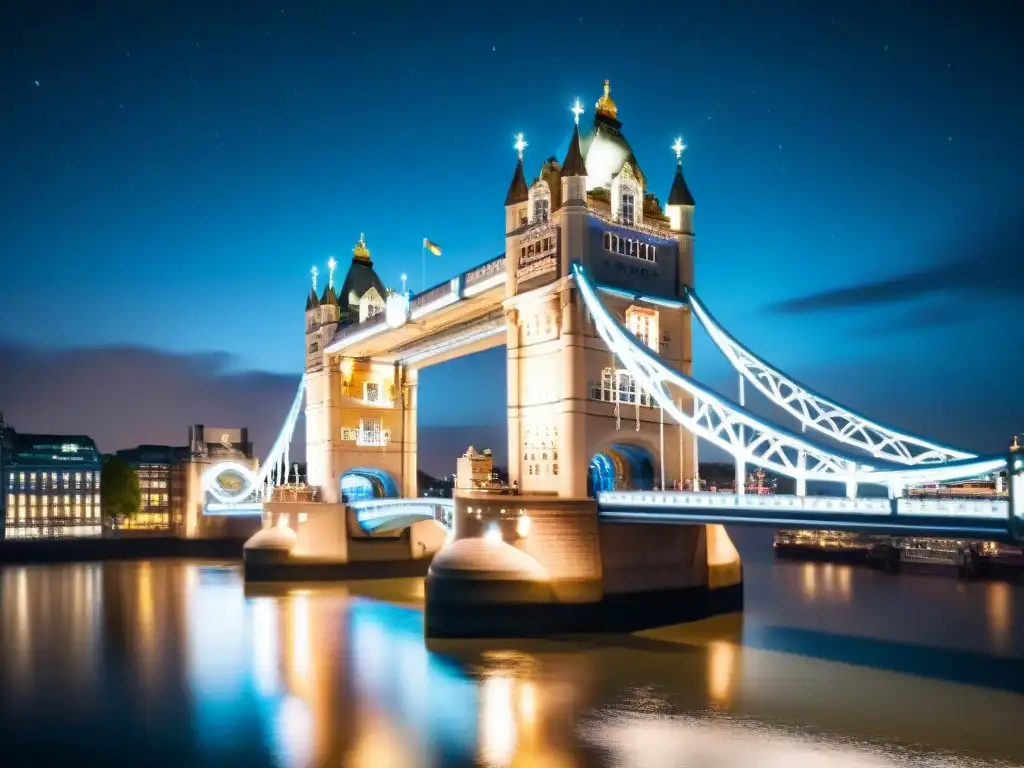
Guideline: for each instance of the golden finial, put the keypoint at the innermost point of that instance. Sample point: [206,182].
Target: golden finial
[361,252]
[605,106]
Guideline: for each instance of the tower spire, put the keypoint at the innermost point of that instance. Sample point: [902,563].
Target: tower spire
[517,190]
[680,193]
[606,106]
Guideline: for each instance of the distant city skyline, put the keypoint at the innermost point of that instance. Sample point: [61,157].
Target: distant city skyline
[171,184]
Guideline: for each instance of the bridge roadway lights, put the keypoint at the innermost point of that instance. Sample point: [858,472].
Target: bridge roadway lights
[521,566]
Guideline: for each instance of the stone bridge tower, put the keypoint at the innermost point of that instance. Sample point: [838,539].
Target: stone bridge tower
[569,400]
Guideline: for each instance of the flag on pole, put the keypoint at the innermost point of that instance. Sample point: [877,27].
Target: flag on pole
[434,248]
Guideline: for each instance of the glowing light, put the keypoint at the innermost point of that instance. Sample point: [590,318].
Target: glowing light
[314,272]
[520,144]
[405,280]
[523,525]
[577,110]
[331,264]
[397,310]
[759,442]
[679,148]
[493,534]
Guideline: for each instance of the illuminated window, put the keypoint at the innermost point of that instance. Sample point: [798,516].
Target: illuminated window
[96,499]
[67,480]
[32,480]
[21,479]
[88,479]
[371,392]
[540,202]
[619,386]
[78,480]
[627,210]
[541,209]
[370,432]
[96,477]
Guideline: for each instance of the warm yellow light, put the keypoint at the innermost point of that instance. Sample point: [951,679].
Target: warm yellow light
[523,526]
[493,534]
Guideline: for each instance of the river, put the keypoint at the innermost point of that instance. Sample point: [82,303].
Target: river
[178,663]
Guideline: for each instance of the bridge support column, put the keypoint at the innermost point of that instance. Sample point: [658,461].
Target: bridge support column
[895,489]
[801,486]
[740,480]
[410,445]
[851,489]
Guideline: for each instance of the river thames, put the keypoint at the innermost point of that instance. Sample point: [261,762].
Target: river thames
[178,663]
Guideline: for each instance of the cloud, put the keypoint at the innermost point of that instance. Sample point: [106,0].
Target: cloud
[123,396]
[986,266]
[919,318]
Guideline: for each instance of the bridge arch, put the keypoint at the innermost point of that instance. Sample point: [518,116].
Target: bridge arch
[364,483]
[621,466]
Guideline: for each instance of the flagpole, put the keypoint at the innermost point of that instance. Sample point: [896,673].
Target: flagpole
[423,274]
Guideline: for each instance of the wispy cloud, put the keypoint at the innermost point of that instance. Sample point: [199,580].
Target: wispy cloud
[989,266]
[123,396]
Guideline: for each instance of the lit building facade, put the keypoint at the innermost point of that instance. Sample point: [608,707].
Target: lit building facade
[51,486]
[161,472]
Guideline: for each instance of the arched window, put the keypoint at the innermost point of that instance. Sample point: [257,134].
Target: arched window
[540,203]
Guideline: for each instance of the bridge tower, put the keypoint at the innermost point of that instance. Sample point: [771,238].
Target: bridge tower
[360,413]
[578,421]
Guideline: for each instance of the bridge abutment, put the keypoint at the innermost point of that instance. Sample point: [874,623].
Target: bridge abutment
[536,565]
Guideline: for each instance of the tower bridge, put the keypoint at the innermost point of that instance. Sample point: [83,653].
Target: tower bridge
[593,301]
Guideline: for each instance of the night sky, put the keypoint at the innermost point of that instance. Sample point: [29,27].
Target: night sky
[171,171]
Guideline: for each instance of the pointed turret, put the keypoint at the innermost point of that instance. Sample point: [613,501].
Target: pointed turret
[680,193]
[329,297]
[573,164]
[517,190]
[360,280]
[312,302]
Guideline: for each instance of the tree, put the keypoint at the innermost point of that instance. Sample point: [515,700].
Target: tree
[120,489]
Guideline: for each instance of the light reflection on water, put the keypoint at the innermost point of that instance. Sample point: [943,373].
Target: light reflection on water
[175,663]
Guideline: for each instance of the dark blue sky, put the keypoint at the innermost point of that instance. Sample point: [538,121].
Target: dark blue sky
[172,170]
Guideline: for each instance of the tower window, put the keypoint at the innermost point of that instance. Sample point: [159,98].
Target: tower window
[541,210]
[627,210]
[371,392]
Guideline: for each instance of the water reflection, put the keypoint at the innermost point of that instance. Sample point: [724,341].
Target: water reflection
[826,581]
[176,661]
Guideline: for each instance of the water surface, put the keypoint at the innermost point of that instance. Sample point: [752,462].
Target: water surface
[177,663]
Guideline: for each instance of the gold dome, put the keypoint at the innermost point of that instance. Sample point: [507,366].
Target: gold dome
[361,252]
[605,106]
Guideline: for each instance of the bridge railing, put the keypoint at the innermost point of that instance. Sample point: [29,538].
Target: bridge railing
[987,509]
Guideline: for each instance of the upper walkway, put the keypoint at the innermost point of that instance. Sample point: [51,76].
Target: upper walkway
[951,518]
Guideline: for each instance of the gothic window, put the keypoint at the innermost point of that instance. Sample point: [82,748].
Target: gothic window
[627,246]
[371,392]
[541,209]
[619,387]
[627,212]
[540,203]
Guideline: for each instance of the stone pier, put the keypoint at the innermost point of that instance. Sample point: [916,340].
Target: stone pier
[521,566]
